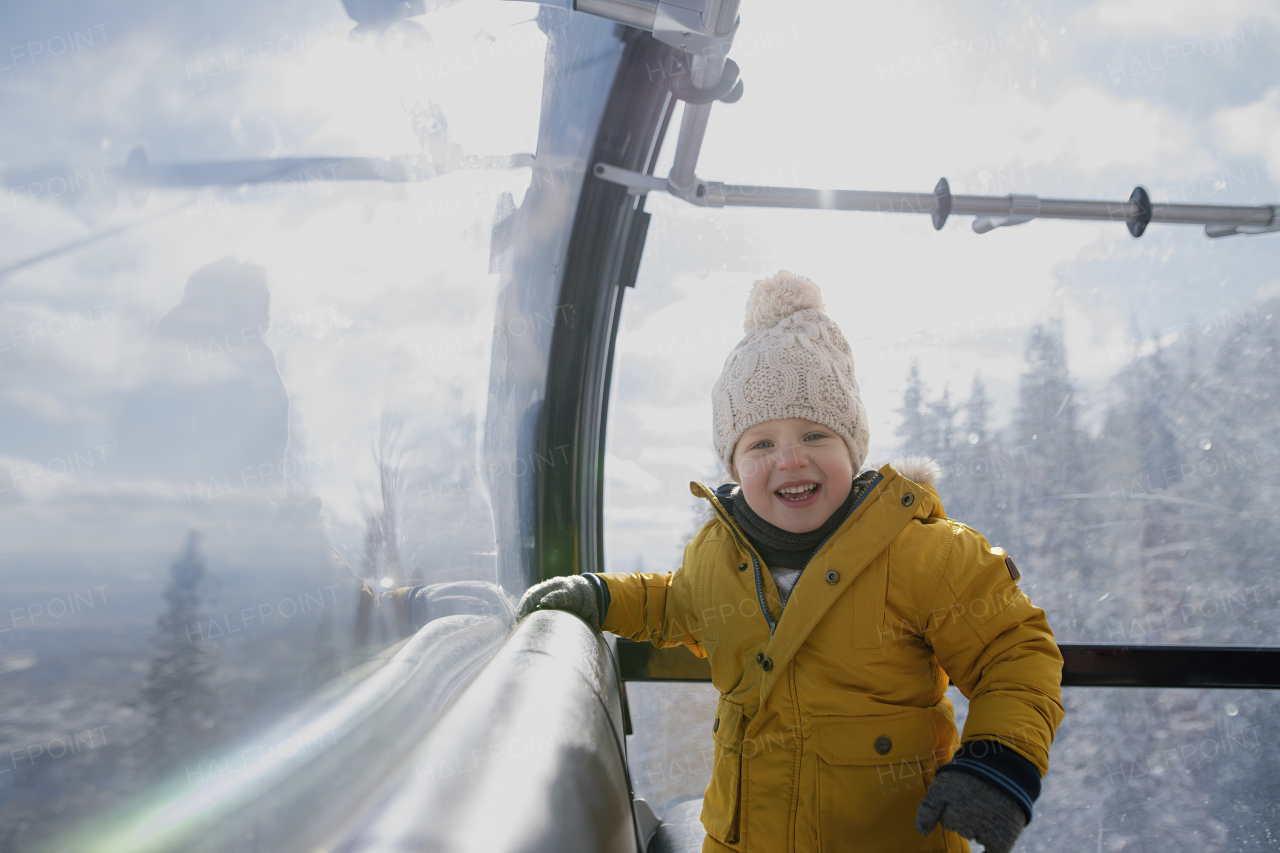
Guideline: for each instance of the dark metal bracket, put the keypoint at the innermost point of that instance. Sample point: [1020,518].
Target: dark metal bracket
[1199,667]
[728,90]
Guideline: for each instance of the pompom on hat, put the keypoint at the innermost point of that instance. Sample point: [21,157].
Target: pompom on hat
[793,363]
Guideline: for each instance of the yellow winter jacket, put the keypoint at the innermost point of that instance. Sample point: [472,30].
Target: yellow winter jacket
[832,719]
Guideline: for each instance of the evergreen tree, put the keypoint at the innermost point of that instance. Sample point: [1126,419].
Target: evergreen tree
[1153,401]
[916,431]
[979,475]
[975,414]
[1228,468]
[1047,412]
[178,694]
[1232,455]
[1048,478]
[942,416]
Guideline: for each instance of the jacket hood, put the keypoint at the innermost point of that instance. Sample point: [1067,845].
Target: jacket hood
[919,469]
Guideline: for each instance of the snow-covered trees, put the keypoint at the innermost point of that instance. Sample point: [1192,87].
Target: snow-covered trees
[1159,528]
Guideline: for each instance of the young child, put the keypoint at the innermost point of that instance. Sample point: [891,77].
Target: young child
[834,606]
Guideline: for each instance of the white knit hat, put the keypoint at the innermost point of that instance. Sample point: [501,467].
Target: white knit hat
[793,363]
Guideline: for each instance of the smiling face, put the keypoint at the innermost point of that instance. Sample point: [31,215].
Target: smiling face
[794,473]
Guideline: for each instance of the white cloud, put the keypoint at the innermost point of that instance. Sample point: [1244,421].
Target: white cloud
[691,457]
[1252,130]
[973,114]
[626,474]
[654,532]
[1181,17]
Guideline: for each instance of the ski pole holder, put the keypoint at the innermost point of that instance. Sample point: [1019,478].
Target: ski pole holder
[991,212]
[1226,230]
[728,90]
[1022,208]
[1138,222]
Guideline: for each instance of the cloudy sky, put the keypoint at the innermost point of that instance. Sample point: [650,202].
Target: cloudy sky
[381,295]
[1083,100]
[381,299]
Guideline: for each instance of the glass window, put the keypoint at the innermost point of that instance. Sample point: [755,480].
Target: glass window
[670,764]
[1102,407]
[272,340]
[1171,769]
[1177,769]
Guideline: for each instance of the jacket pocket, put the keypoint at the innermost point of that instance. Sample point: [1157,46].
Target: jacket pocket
[872,775]
[721,804]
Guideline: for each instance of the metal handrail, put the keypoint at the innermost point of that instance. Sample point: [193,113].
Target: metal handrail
[530,757]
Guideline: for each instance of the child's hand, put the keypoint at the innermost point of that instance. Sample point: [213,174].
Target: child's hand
[970,807]
[574,593]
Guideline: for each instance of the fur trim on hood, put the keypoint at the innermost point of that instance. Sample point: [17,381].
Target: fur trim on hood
[918,469]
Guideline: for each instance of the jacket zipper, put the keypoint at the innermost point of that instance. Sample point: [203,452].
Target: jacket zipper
[764,608]
[769,620]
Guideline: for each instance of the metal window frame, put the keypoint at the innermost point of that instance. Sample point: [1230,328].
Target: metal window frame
[603,259]
[1085,665]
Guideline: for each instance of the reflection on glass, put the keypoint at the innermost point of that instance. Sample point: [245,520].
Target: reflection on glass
[209,401]
[247,301]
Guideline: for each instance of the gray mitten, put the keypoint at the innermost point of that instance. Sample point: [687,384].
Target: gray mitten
[975,809]
[574,593]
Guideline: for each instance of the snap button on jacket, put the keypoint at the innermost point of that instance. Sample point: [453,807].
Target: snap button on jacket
[831,746]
